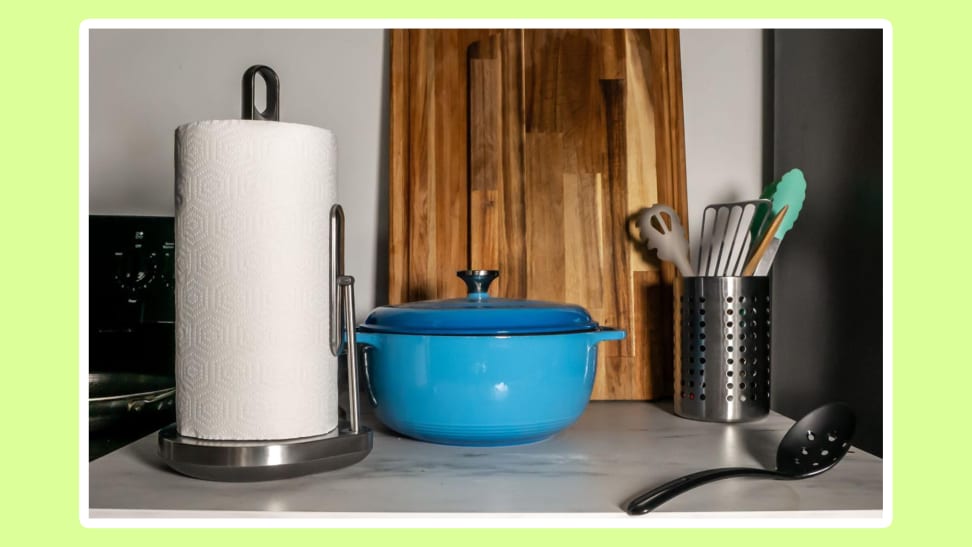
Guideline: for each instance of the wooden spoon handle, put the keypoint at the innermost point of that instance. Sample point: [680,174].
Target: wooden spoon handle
[764,243]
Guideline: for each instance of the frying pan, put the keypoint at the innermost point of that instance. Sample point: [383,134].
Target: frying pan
[116,398]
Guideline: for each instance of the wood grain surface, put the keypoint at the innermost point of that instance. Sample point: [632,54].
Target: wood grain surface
[530,151]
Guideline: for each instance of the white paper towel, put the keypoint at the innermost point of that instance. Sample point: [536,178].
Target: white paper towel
[253,356]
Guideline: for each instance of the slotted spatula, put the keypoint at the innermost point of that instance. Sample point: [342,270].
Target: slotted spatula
[725,236]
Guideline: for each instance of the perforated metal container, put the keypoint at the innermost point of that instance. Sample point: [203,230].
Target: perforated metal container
[722,340]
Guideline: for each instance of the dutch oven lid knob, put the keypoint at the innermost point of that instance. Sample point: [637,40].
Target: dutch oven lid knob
[477,282]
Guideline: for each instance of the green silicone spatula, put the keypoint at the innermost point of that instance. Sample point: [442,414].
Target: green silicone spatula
[790,191]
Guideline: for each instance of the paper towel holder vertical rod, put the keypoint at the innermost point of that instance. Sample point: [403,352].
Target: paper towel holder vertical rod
[346,283]
[336,260]
[272,110]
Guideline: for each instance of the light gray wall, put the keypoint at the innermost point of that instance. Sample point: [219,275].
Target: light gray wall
[722,79]
[144,83]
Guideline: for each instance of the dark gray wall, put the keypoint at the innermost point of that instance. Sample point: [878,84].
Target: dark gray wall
[826,108]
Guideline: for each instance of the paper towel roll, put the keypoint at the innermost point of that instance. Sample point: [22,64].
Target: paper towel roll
[253,357]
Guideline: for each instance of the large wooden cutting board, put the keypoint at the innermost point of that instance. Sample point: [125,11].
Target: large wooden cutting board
[530,151]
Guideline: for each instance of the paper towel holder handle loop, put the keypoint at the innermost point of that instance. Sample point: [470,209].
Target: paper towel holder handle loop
[250,111]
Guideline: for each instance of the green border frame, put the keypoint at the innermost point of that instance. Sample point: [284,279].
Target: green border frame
[39,332]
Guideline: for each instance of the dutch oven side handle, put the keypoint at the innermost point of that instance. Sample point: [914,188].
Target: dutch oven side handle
[606,333]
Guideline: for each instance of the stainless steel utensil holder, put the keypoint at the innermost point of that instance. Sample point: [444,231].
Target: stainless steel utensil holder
[722,344]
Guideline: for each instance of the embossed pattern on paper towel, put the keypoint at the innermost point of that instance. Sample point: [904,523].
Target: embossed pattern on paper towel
[252,348]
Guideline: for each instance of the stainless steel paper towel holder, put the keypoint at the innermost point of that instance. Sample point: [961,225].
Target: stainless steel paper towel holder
[250,461]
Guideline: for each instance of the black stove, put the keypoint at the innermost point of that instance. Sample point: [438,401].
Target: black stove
[132,310]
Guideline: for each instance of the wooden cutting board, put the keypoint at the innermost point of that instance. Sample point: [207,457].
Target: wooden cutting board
[530,152]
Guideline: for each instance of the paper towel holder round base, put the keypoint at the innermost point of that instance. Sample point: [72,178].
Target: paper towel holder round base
[252,461]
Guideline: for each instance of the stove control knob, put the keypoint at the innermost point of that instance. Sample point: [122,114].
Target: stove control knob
[136,269]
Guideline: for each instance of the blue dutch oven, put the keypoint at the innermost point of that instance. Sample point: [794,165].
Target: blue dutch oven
[480,371]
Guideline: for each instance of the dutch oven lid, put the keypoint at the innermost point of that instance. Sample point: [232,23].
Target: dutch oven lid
[479,314]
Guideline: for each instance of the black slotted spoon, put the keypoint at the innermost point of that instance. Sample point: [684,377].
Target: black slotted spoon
[811,446]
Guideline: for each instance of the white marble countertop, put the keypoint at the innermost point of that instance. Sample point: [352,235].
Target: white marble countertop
[615,451]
